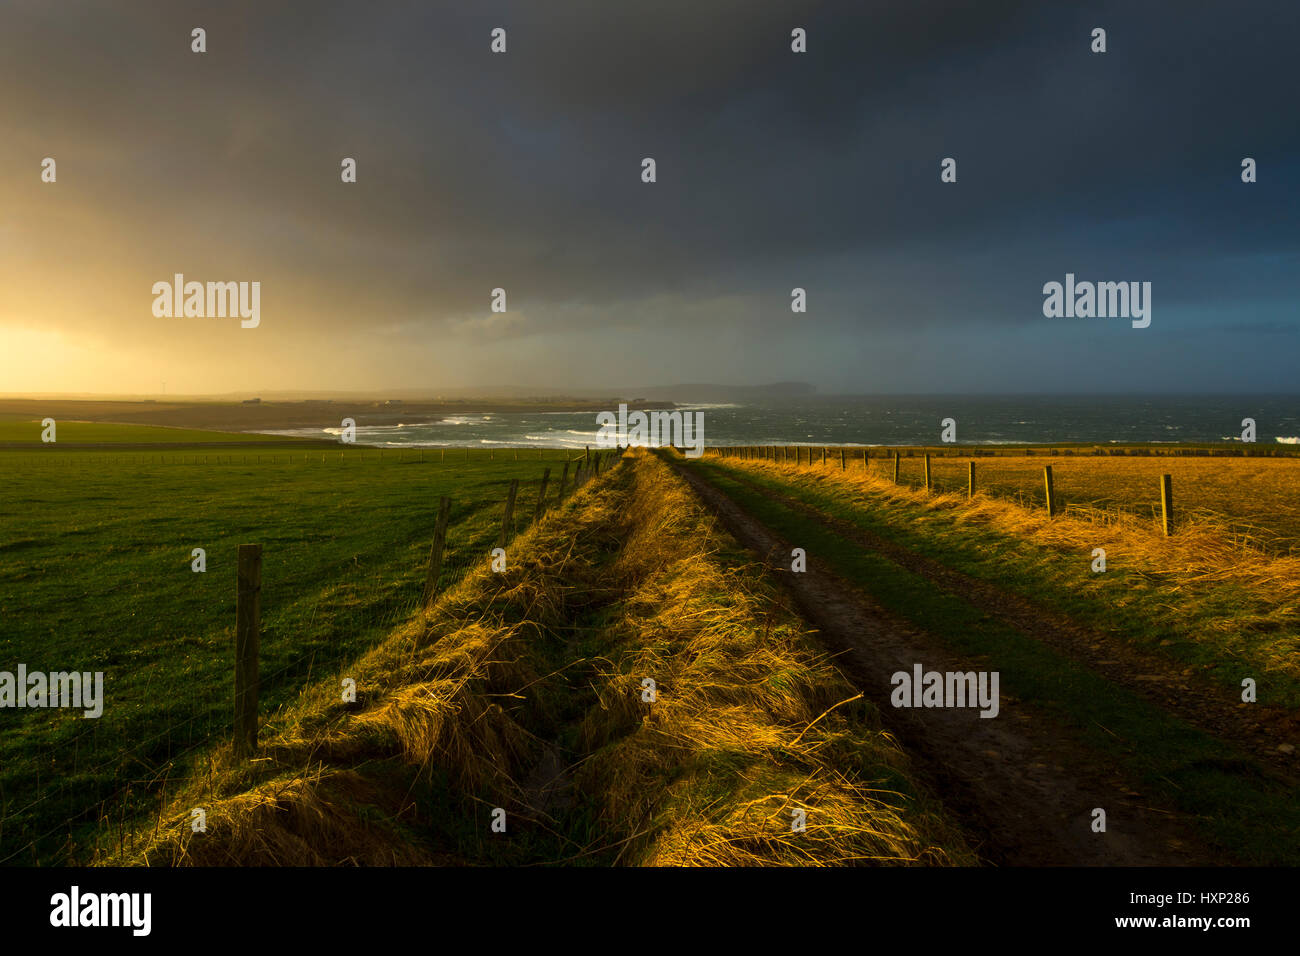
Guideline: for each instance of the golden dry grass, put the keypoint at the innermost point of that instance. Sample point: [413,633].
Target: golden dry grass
[1209,581]
[430,694]
[1254,501]
[752,721]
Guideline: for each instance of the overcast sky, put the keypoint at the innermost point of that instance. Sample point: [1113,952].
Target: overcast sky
[775,169]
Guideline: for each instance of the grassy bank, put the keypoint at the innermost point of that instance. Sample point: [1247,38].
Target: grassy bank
[523,690]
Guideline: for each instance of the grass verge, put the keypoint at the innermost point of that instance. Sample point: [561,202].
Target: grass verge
[523,690]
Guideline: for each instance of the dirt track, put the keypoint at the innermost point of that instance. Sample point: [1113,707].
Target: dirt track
[1024,790]
[1213,708]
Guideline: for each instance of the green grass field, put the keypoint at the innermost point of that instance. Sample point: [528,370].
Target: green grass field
[29,432]
[95,575]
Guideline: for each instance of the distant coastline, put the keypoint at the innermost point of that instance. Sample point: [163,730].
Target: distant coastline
[273,416]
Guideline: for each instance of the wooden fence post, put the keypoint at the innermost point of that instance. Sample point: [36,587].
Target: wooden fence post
[895,467]
[970,479]
[842,463]
[541,494]
[1047,486]
[1167,502]
[507,517]
[435,552]
[927,471]
[823,457]
[248,625]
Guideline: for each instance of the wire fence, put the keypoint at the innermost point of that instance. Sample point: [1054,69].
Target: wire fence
[96,807]
[1251,498]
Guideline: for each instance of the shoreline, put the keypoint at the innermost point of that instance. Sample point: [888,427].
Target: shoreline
[262,417]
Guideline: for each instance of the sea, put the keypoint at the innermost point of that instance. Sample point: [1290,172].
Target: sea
[882,421]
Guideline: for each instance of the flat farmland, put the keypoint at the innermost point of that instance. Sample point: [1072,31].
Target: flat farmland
[1252,498]
[96,553]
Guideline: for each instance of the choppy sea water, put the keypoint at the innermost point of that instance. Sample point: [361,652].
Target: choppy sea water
[871,420]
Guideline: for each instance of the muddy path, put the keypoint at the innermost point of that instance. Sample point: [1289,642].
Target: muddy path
[1024,790]
[1256,729]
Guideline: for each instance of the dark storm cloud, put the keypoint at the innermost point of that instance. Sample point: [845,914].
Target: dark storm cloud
[775,170]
